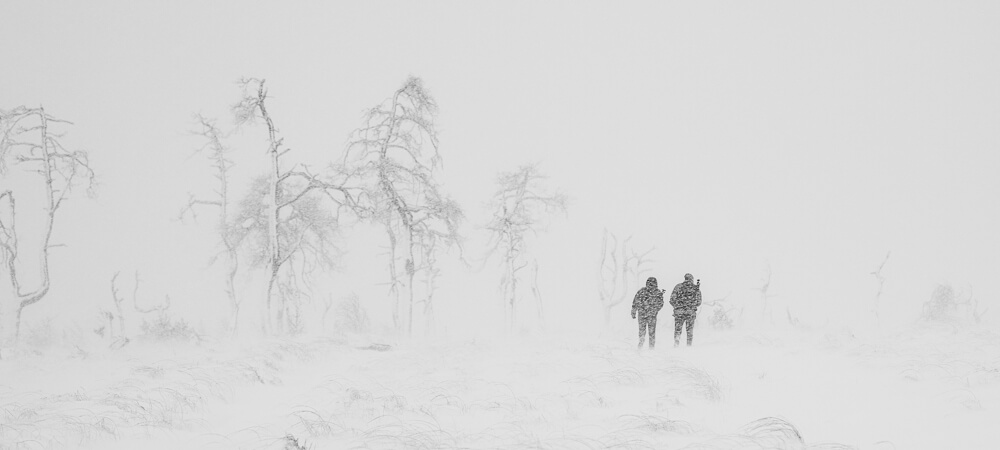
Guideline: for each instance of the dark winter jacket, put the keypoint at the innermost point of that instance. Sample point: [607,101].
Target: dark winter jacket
[686,298]
[649,300]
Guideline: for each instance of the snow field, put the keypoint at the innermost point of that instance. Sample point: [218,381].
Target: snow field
[926,388]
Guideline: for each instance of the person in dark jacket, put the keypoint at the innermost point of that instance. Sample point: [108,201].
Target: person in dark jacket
[686,298]
[646,305]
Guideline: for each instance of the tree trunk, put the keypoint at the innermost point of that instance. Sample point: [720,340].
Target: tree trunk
[272,207]
[410,272]
[512,284]
[236,321]
[269,325]
[537,294]
[392,275]
[231,292]
[429,325]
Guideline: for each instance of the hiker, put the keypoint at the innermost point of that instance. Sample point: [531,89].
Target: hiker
[647,303]
[686,298]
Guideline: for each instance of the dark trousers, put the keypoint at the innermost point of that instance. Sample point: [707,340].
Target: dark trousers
[644,323]
[680,321]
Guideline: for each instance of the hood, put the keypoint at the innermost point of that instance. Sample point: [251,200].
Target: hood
[651,282]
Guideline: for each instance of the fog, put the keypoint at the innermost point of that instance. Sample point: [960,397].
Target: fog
[795,146]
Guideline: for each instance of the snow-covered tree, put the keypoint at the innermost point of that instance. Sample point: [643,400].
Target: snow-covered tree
[520,206]
[305,230]
[396,154]
[28,140]
[282,212]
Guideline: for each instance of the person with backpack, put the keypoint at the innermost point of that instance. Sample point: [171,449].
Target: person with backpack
[686,298]
[646,304]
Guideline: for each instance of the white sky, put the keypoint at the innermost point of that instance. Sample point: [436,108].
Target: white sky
[813,137]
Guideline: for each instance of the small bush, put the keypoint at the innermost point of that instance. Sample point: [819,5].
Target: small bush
[942,305]
[164,329]
[292,443]
[720,319]
[948,305]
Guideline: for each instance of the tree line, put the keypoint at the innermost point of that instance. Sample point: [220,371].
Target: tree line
[286,223]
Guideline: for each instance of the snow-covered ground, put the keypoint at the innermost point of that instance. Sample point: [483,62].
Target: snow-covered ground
[932,387]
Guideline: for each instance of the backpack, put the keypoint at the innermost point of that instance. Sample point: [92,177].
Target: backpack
[689,294]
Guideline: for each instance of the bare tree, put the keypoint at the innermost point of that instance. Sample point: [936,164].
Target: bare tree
[396,152]
[881,282]
[282,209]
[118,300]
[220,202]
[26,138]
[519,206]
[622,268]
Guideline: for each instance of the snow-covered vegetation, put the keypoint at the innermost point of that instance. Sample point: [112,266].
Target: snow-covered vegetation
[929,387]
[422,225]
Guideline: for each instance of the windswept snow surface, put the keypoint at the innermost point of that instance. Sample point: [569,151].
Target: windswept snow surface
[927,388]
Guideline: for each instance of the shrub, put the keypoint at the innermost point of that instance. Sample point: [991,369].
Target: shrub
[721,318]
[164,329]
[942,305]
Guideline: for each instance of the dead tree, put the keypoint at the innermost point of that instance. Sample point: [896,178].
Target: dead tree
[396,153]
[881,282]
[27,140]
[622,268]
[519,206]
[118,300]
[283,207]
[220,202]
